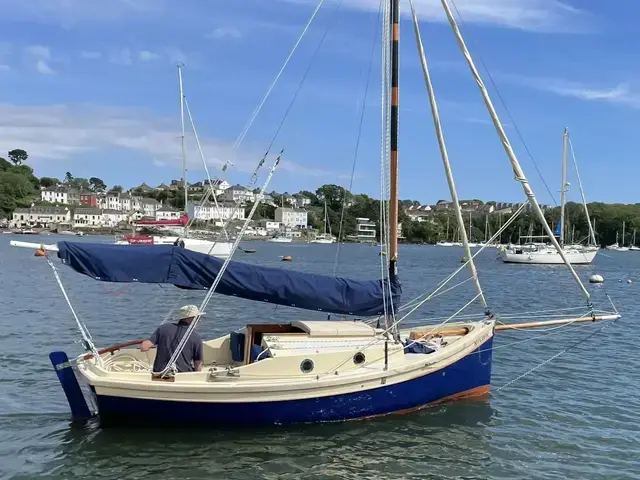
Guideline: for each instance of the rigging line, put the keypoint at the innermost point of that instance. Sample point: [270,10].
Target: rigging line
[384,120]
[255,113]
[584,200]
[358,137]
[504,105]
[84,331]
[561,352]
[204,163]
[306,73]
[183,341]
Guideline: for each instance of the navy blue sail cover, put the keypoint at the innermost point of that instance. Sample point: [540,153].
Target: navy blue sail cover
[187,269]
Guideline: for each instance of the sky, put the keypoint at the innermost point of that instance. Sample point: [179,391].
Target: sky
[90,87]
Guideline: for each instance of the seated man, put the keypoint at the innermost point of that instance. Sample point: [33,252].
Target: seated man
[167,337]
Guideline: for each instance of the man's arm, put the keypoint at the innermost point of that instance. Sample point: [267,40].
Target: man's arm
[151,342]
[197,357]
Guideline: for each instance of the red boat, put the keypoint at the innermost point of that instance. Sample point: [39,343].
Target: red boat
[181,222]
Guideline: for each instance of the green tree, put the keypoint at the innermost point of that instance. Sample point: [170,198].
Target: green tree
[97,185]
[27,172]
[334,195]
[48,182]
[18,156]
[68,178]
[117,188]
[15,190]
[4,165]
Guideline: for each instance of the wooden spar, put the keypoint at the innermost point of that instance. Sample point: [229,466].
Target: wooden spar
[514,326]
[393,161]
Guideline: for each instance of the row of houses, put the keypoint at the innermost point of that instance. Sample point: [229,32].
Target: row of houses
[421,213]
[222,211]
[83,217]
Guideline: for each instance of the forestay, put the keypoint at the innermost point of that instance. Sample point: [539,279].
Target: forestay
[187,269]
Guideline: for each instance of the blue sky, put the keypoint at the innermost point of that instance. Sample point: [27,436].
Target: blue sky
[89,86]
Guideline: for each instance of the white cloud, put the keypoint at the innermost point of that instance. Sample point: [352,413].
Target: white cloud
[147,56]
[44,68]
[61,132]
[4,68]
[620,94]
[531,15]
[90,55]
[121,57]
[39,51]
[225,32]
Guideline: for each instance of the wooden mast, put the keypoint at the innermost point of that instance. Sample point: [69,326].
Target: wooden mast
[393,164]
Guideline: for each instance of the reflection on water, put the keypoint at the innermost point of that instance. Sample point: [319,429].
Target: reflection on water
[576,417]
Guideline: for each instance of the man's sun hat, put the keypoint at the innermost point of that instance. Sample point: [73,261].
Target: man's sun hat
[189,311]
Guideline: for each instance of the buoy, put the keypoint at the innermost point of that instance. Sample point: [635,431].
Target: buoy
[628,281]
[596,279]
[286,258]
[40,253]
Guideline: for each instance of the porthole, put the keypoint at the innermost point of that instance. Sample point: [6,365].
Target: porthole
[306,366]
[359,358]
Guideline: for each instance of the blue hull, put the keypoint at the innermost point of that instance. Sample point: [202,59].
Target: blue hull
[468,376]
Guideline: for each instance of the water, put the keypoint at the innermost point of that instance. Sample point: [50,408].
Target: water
[576,417]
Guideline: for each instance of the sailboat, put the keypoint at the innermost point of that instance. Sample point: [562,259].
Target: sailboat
[446,242]
[633,247]
[541,254]
[216,248]
[303,370]
[325,238]
[617,247]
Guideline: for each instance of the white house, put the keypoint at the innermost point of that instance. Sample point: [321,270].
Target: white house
[167,213]
[87,217]
[111,201]
[44,216]
[146,206]
[112,218]
[60,194]
[209,212]
[419,213]
[238,194]
[291,217]
[125,202]
[365,230]
[269,225]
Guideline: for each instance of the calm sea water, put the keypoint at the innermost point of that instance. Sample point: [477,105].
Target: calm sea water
[576,417]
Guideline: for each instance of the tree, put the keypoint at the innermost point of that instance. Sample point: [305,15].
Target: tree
[27,172]
[18,156]
[311,196]
[334,195]
[117,188]
[68,178]
[15,189]
[4,165]
[47,182]
[97,185]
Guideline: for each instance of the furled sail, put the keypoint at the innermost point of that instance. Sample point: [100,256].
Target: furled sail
[187,269]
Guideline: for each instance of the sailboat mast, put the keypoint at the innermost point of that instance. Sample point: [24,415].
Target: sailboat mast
[184,156]
[393,161]
[563,190]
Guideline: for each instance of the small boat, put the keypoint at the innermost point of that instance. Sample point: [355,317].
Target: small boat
[326,238]
[249,250]
[280,239]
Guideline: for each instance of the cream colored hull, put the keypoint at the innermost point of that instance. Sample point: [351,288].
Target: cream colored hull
[335,390]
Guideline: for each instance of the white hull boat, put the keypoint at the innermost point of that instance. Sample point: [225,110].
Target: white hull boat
[281,239]
[207,247]
[547,256]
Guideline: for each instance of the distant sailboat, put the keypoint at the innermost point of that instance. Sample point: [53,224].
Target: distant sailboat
[536,253]
[325,238]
